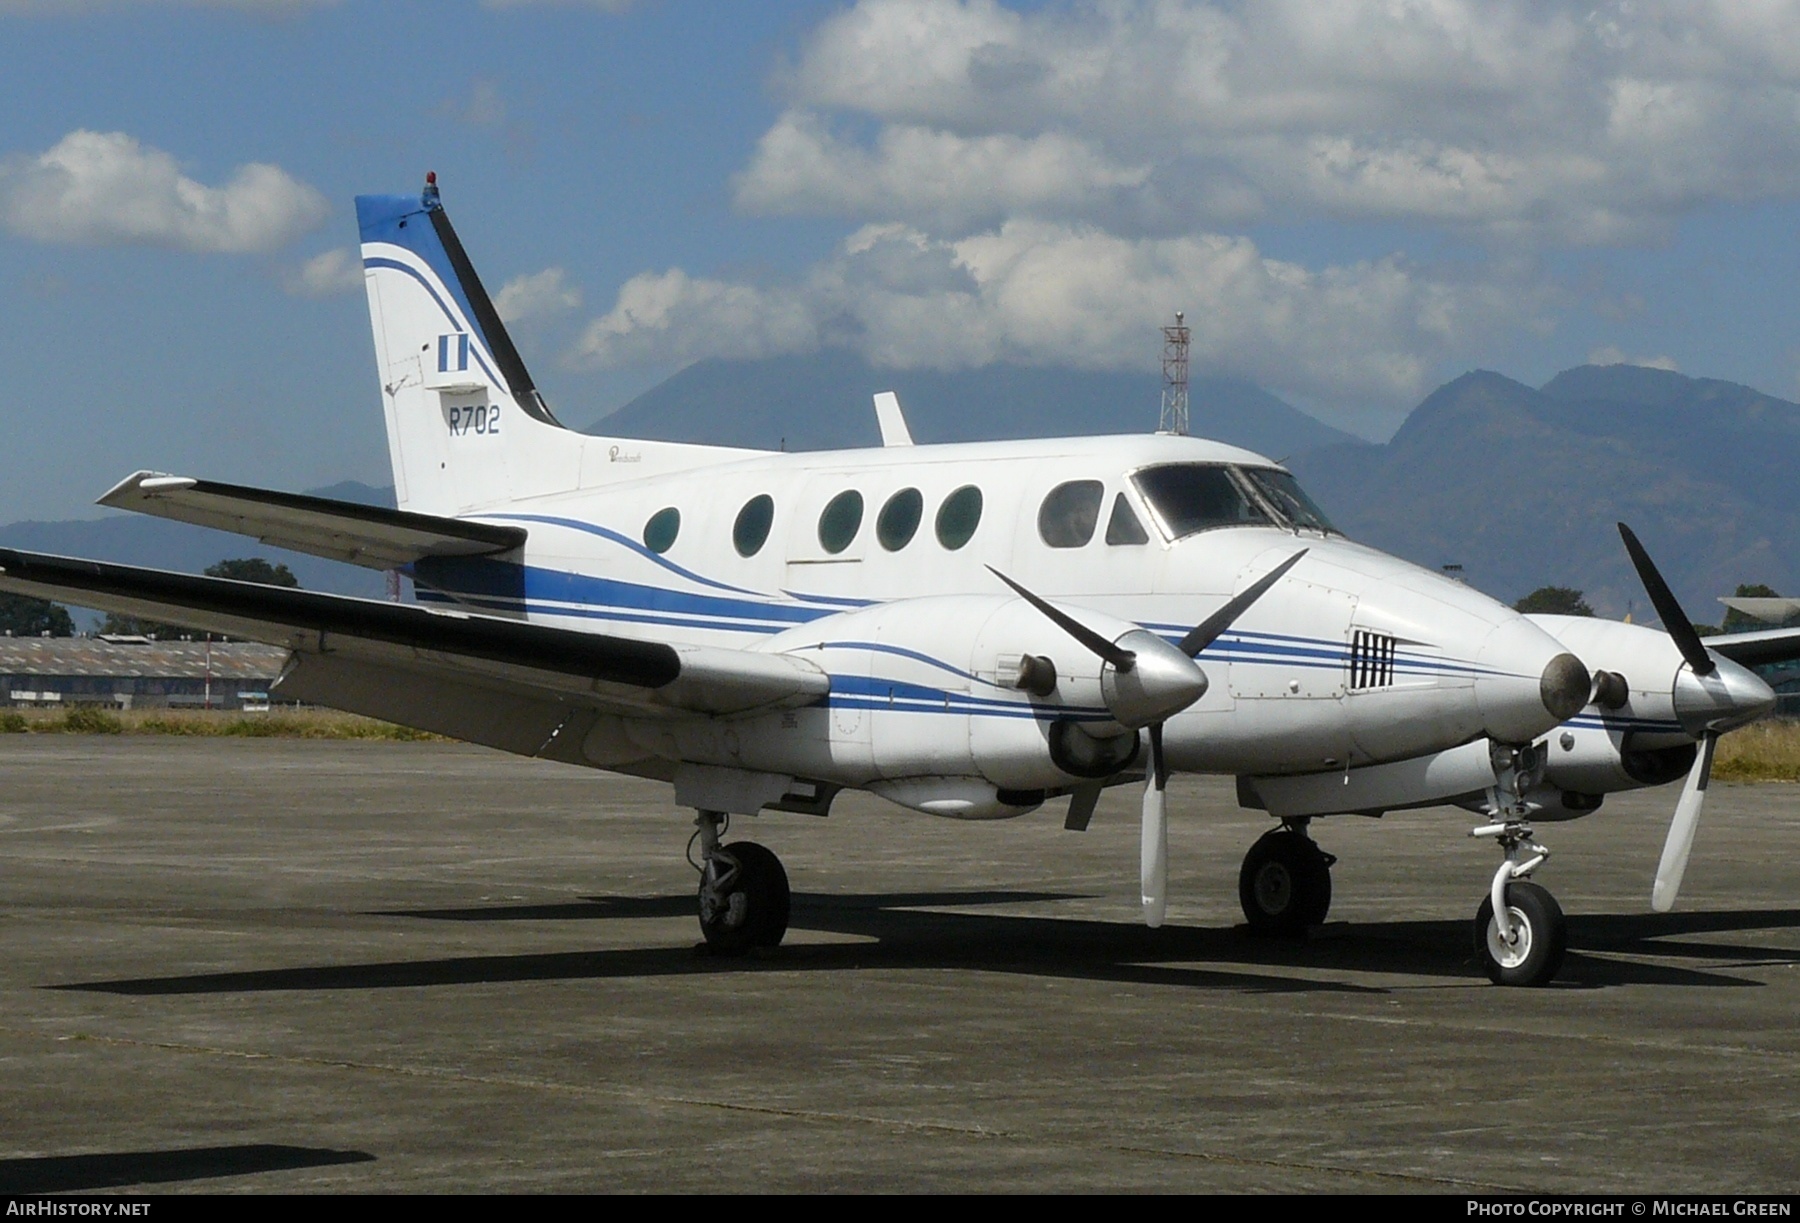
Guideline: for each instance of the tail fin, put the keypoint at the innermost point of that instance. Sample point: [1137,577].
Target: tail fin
[467,428]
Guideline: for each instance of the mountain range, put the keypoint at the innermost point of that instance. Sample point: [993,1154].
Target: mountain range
[1518,485]
[1523,487]
[823,402]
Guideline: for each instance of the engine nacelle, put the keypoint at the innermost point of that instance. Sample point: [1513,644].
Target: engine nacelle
[1587,757]
[969,706]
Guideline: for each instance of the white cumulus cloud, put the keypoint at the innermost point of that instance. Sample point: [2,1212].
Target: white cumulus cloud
[1561,122]
[105,187]
[1047,293]
[919,173]
[537,295]
[327,274]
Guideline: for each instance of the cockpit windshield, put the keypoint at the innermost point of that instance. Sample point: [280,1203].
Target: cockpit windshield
[1290,501]
[1190,497]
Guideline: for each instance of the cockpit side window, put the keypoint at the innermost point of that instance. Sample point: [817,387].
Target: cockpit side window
[1290,501]
[1123,527]
[1190,497]
[1068,515]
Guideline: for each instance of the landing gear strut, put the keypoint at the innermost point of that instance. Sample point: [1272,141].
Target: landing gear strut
[743,890]
[1520,933]
[1285,884]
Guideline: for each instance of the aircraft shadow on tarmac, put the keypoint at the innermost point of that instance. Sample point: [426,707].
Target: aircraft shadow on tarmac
[912,930]
[117,1169]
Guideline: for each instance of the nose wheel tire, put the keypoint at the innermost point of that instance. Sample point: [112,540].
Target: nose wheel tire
[1285,884]
[744,899]
[1540,937]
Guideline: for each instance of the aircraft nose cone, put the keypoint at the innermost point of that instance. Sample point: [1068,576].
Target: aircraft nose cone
[1732,696]
[1528,682]
[1565,686]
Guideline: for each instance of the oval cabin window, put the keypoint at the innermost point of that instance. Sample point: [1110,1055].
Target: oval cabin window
[841,521]
[751,530]
[661,530]
[899,519]
[958,517]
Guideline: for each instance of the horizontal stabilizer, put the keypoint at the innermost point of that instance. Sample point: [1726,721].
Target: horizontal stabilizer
[589,670]
[339,530]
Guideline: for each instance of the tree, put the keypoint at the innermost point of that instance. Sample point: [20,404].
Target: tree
[254,569]
[1554,601]
[27,617]
[242,569]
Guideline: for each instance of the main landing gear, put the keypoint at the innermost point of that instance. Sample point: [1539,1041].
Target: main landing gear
[743,890]
[1285,884]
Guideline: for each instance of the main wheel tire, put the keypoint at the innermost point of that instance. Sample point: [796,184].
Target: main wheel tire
[1285,884]
[753,911]
[1542,937]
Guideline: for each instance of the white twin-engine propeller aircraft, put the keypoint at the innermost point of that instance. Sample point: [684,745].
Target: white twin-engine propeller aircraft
[966,630]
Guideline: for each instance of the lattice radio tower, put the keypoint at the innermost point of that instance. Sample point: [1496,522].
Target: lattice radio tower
[1175,378]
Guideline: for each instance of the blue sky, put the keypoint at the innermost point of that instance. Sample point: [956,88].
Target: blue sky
[1353,203]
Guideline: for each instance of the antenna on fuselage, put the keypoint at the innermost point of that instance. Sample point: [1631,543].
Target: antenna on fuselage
[1175,378]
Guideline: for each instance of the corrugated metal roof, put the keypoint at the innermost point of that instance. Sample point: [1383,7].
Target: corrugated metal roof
[22,656]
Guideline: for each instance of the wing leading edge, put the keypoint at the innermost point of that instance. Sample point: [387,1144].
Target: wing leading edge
[529,662]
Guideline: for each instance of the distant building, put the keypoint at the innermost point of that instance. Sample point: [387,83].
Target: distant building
[135,673]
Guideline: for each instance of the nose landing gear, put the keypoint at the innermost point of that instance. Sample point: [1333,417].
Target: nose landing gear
[1520,932]
[744,896]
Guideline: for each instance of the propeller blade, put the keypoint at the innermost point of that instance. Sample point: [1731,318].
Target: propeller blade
[1681,828]
[1674,619]
[1209,629]
[1153,850]
[1120,659]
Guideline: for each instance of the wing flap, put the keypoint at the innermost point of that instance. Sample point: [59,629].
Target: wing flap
[372,536]
[533,661]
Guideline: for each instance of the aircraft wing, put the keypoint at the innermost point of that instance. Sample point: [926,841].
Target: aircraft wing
[371,645]
[340,530]
[1757,649]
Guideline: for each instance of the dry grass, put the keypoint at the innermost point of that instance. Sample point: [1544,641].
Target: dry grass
[277,724]
[1765,751]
